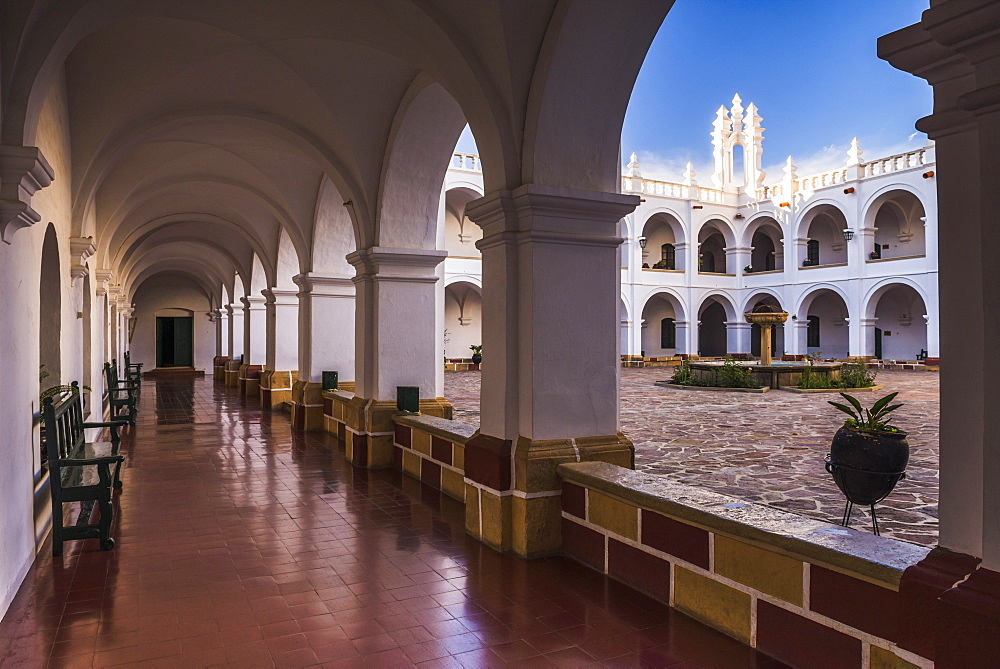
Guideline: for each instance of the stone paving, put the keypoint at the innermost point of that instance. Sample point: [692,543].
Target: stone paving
[767,448]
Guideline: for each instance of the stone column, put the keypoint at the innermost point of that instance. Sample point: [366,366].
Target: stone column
[254,345]
[326,343]
[737,257]
[862,342]
[550,373]
[684,338]
[237,323]
[798,336]
[221,345]
[738,335]
[281,359]
[396,344]
[956,48]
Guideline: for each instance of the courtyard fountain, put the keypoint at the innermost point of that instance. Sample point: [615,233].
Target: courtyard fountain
[767,372]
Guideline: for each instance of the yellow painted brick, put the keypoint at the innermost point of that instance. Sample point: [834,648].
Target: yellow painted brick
[761,569]
[472,511]
[886,659]
[713,603]
[496,520]
[453,483]
[421,442]
[411,464]
[611,514]
[458,456]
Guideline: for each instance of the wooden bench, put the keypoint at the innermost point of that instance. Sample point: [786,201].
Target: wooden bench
[121,396]
[79,471]
[133,370]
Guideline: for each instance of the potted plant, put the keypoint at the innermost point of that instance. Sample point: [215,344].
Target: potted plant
[868,455]
[477,353]
[748,269]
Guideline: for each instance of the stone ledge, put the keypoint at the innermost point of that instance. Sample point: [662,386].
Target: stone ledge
[791,389]
[849,551]
[667,384]
[451,430]
[341,395]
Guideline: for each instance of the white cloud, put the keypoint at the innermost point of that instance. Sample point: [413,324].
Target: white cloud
[670,166]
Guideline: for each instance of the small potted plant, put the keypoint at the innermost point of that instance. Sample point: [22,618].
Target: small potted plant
[748,269]
[477,353]
[868,455]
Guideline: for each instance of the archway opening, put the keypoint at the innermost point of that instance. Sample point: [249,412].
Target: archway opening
[50,313]
[777,331]
[827,331]
[663,234]
[900,329]
[660,336]
[711,251]
[174,338]
[712,329]
[460,233]
[767,248]
[899,227]
[825,234]
[463,319]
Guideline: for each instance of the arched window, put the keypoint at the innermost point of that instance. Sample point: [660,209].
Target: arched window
[668,333]
[668,256]
[812,252]
[812,332]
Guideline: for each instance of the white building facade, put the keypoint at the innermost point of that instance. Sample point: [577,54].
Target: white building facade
[850,253]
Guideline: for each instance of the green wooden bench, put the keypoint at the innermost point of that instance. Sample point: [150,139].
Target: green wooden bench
[133,370]
[121,395]
[79,471]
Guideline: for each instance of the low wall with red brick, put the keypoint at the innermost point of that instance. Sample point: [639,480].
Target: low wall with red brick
[801,590]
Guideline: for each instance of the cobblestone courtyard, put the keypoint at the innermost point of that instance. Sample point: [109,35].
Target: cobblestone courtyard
[767,448]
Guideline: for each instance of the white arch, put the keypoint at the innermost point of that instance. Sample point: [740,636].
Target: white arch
[675,299]
[876,292]
[757,292]
[723,298]
[806,299]
[800,227]
[727,229]
[871,206]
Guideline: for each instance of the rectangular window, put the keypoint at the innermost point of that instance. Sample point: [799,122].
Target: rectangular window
[668,333]
[812,252]
[668,256]
[812,332]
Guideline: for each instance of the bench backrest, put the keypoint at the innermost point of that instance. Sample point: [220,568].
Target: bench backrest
[111,374]
[64,436]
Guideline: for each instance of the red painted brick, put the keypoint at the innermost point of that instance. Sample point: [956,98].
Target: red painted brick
[969,635]
[487,461]
[802,642]
[441,450]
[327,406]
[430,472]
[265,397]
[681,540]
[341,431]
[574,500]
[583,544]
[360,450]
[860,604]
[403,435]
[641,570]
[397,457]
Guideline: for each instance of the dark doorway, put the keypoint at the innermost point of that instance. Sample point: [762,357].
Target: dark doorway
[878,343]
[712,331]
[173,341]
[755,340]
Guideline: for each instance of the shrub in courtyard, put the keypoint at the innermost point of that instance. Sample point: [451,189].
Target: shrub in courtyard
[734,375]
[682,375]
[857,375]
[813,381]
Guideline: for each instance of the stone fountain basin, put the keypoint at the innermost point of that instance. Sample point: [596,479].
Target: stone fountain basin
[775,375]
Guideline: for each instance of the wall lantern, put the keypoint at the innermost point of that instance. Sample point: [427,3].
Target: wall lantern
[697,206]
[739,215]
[848,191]
[642,242]
[928,175]
[785,204]
[848,234]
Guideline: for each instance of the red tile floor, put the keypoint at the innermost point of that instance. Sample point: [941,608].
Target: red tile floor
[241,543]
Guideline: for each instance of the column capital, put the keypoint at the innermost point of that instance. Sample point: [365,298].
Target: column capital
[253,302]
[280,297]
[222,313]
[311,283]
[23,171]
[382,263]
[547,214]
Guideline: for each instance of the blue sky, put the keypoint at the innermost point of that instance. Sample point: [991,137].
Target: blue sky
[809,65]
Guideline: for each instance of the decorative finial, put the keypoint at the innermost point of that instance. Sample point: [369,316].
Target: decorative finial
[633,166]
[854,153]
[737,100]
[789,169]
[689,175]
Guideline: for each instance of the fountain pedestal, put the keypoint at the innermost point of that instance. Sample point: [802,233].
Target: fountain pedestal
[766,319]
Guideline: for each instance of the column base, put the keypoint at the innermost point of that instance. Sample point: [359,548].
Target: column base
[232,373]
[307,405]
[524,515]
[249,379]
[219,368]
[968,633]
[919,589]
[275,388]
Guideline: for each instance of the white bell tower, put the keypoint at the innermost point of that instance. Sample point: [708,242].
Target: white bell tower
[734,128]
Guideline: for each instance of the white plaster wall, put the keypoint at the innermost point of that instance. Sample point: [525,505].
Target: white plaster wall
[460,337]
[171,292]
[25,514]
[905,321]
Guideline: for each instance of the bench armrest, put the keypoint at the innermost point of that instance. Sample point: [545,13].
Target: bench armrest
[122,388]
[110,423]
[87,462]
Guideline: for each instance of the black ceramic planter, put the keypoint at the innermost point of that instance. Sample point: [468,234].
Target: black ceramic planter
[867,465]
[477,358]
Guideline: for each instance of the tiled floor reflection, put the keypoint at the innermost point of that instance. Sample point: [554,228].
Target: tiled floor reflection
[242,544]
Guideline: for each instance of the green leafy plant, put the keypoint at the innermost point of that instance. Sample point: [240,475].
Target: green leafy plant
[813,381]
[55,390]
[682,375]
[42,373]
[857,375]
[870,420]
[734,375]
[477,349]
